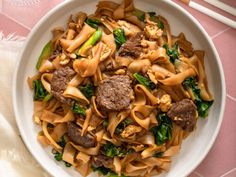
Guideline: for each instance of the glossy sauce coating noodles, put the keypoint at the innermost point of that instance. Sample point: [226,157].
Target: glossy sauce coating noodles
[117,93]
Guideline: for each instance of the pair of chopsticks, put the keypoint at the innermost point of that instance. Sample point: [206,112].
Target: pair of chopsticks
[212,13]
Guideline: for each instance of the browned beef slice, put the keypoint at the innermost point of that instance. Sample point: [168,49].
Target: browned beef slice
[59,82]
[132,47]
[102,160]
[183,113]
[74,134]
[113,94]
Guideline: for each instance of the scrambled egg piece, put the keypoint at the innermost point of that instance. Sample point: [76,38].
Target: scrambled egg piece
[152,31]
[105,52]
[152,76]
[130,29]
[64,59]
[165,103]
[151,45]
[138,148]
[130,130]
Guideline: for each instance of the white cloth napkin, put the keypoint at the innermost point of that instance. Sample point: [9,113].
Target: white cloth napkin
[15,159]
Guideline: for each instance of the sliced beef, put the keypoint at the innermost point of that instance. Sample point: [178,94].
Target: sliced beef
[74,133]
[59,82]
[113,93]
[184,113]
[132,47]
[102,160]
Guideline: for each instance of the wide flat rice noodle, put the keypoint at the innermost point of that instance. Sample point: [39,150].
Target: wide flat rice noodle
[69,153]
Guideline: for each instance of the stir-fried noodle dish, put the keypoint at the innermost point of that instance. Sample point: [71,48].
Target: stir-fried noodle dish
[116,92]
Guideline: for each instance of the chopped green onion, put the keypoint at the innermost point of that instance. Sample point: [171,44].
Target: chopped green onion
[77,109]
[144,81]
[91,41]
[47,97]
[93,22]
[39,91]
[119,35]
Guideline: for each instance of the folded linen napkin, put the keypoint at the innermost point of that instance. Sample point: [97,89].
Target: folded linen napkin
[15,159]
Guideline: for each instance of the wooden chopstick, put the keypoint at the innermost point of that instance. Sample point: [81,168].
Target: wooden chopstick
[210,13]
[222,6]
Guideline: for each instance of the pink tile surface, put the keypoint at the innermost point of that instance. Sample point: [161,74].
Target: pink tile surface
[228,40]
[221,160]
[26,12]
[8,26]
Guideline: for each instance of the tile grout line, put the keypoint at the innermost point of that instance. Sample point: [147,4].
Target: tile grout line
[16,21]
[198,174]
[219,33]
[231,97]
[228,172]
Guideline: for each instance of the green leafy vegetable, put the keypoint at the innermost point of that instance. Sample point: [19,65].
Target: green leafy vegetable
[67,164]
[62,142]
[103,170]
[115,175]
[58,156]
[163,131]
[110,150]
[152,14]
[145,81]
[93,22]
[39,91]
[87,90]
[190,82]
[77,109]
[106,171]
[155,19]
[139,14]
[91,41]
[122,125]
[47,97]
[202,106]
[160,25]
[46,52]
[159,154]
[172,53]
[119,36]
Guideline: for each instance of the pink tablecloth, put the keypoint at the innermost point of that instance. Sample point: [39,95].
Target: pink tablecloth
[19,16]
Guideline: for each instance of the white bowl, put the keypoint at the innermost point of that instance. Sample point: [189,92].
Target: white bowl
[194,148]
